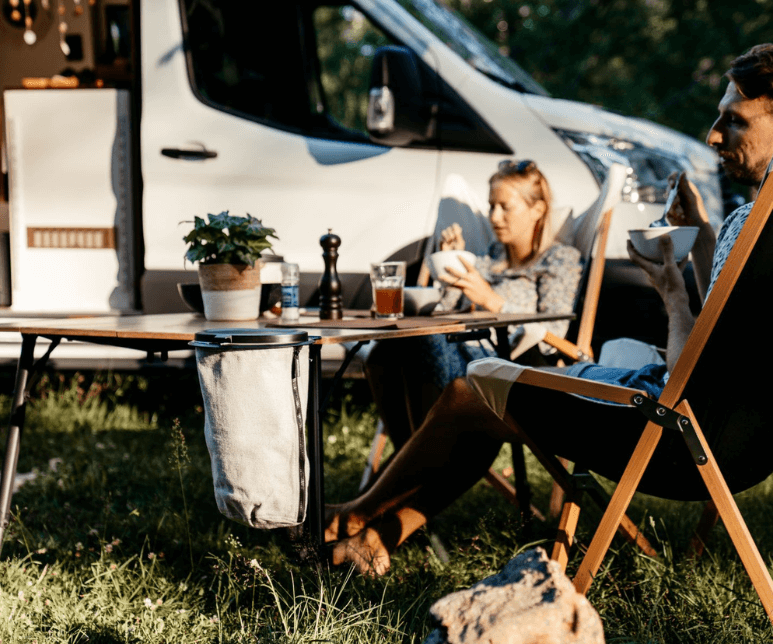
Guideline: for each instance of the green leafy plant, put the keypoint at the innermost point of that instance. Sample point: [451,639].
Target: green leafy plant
[226,239]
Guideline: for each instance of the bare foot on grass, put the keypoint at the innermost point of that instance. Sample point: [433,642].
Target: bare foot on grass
[366,551]
[340,523]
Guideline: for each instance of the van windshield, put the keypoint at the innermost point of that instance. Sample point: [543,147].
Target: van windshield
[471,45]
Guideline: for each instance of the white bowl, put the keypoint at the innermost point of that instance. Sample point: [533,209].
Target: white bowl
[420,300]
[440,261]
[647,241]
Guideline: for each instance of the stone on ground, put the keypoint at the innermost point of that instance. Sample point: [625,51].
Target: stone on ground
[531,601]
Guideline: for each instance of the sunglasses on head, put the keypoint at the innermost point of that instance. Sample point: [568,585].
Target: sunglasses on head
[517,167]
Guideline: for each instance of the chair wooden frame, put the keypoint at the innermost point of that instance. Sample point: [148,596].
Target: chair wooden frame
[581,349]
[576,351]
[675,413]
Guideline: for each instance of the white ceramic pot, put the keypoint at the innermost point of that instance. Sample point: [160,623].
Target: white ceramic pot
[230,292]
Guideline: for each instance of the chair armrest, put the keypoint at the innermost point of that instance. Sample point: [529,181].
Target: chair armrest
[571,385]
[569,349]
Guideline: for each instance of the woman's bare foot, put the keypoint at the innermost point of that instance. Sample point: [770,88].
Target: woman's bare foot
[341,523]
[366,551]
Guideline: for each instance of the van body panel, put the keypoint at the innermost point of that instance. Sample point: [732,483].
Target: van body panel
[571,115]
[376,198]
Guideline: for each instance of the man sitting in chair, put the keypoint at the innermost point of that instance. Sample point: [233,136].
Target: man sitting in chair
[461,435]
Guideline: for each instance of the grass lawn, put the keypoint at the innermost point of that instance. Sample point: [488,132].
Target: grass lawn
[121,540]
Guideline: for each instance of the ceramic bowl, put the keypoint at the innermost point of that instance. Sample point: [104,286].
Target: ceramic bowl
[420,300]
[191,295]
[440,261]
[647,241]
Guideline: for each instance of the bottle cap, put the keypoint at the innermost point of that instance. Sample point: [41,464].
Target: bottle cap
[290,271]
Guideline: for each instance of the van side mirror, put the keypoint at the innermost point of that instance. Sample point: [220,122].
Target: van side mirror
[397,111]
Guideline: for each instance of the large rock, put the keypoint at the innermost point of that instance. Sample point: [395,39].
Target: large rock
[530,602]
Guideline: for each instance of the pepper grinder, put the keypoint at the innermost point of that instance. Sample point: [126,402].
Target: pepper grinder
[330,298]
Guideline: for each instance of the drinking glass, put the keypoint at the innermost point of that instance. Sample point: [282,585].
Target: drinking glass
[388,281]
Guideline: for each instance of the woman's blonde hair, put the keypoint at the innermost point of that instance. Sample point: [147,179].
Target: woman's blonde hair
[532,185]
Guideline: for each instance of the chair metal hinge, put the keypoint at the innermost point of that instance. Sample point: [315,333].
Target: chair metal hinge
[669,419]
[584,481]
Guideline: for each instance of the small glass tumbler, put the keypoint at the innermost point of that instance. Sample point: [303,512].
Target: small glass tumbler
[388,281]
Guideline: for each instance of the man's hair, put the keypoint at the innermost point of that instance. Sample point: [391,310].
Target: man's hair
[752,72]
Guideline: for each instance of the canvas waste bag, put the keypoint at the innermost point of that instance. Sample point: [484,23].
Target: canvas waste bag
[255,405]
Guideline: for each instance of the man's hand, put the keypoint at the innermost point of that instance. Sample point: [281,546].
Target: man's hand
[668,281]
[474,287]
[688,210]
[666,277]
[451,238]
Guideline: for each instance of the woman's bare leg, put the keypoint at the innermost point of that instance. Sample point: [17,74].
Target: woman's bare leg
[387,385]
[450,452]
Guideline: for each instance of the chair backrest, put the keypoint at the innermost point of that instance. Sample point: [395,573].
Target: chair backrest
[460,204]
[721,371]
[590,238]
[587,224]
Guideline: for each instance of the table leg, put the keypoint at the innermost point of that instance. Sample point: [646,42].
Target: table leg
[503,342]
[316,510]
[15,427]
[522,488]
[350,353]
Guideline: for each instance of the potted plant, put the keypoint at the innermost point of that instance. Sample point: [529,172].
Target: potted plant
[228,250]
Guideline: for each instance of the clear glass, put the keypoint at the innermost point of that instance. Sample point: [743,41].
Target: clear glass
[388,281]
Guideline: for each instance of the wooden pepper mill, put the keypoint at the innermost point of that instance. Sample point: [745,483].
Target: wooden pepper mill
[330,297]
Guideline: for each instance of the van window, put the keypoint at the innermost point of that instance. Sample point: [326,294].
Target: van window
[346,43]
[247,57]
[471,45]
[303,66]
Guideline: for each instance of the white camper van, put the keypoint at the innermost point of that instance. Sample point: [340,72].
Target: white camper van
[361,117]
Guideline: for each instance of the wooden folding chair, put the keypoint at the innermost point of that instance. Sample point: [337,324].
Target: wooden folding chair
[714,402]
[589,235]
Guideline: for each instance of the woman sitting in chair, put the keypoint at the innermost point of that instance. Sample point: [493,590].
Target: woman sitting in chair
[525,272]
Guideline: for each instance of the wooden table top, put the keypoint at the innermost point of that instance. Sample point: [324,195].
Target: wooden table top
[184,326]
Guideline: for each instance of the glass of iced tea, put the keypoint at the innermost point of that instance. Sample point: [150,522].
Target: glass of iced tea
[388,280]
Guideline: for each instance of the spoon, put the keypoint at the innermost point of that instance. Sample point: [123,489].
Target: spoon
[663,221]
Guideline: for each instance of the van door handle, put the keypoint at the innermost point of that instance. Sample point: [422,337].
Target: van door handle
[188,155]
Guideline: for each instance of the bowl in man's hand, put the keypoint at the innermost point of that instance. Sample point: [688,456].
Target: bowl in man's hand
[646,241]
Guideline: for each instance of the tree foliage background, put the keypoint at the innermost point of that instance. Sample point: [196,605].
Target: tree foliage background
[663,60]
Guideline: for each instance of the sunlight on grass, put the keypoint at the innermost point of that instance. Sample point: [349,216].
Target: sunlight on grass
[122,541]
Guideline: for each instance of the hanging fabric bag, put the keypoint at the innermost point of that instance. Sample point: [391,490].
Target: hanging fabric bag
[255,387]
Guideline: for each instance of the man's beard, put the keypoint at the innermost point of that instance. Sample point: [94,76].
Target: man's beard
[743,175]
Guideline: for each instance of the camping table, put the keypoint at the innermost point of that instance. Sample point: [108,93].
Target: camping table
[159,334]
